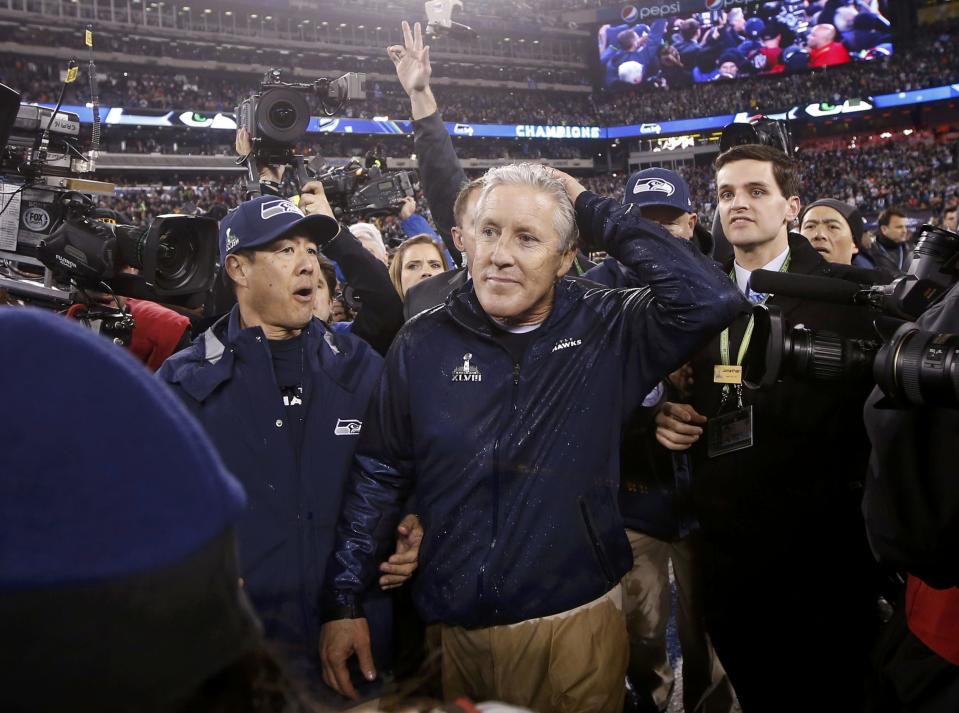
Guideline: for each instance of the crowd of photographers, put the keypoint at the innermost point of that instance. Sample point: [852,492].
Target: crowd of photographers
[530,453]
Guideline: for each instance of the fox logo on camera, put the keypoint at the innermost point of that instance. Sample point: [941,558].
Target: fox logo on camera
[36,219]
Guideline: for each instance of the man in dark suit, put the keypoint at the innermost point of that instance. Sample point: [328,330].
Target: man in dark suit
[891,251]
[776,473]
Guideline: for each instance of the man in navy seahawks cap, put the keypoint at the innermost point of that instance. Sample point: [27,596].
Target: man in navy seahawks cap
[663,197]
[650,503]
[283,399]
[262,220]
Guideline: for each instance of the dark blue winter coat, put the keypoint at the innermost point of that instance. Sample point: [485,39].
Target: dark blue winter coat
[226,379]
[653,496]
[515,466]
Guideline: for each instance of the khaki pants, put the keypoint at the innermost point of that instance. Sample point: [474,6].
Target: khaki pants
[646,603]
[573,662]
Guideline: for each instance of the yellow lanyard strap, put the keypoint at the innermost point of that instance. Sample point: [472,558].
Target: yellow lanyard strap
[744,345]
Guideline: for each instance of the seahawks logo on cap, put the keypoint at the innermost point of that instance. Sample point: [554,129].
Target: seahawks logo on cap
[657,185]
[271,209]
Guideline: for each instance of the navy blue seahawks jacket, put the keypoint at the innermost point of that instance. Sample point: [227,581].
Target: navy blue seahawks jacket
[515,466]
[654,484]
[285,536]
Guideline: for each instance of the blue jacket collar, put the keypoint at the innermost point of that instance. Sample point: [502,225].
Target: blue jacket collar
[211,360]
[465,309]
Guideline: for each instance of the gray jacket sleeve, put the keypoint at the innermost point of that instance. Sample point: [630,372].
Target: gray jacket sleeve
[441,175]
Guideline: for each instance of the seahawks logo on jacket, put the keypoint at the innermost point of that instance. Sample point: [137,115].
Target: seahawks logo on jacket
[467,372]
[347,427]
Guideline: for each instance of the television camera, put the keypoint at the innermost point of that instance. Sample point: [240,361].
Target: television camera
[910,366]
[277,116]
[52,245]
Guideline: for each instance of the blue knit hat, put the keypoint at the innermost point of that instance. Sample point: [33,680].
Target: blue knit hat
[118,575]
[106,474]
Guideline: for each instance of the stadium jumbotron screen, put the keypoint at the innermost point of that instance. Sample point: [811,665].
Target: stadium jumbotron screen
[685,42]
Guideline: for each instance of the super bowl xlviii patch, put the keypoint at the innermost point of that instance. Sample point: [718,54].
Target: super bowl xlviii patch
[231,239]
[468,371]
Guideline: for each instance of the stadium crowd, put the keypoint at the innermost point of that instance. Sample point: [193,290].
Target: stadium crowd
[930,62]
[915,172]
[216,143]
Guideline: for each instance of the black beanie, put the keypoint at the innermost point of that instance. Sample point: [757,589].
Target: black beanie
[850,212]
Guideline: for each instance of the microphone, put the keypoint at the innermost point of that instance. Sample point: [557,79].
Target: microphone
[820,289]
[863,275]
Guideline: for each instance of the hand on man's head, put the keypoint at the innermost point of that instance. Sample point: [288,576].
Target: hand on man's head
[573,187]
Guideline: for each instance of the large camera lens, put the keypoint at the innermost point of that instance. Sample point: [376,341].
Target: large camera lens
[823,356]
[282,115]
[131,243]
[917,367]
[778,350]
[176,260]
[934,267]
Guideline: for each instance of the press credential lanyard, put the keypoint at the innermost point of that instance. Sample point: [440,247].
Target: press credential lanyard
[744,345]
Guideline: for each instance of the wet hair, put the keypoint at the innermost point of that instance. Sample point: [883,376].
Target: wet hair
[785,170]
[688,29]
[540,177]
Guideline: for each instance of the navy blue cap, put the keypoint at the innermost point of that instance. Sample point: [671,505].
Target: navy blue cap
[262,220]
[795,58]
[755,26]
[658,186]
